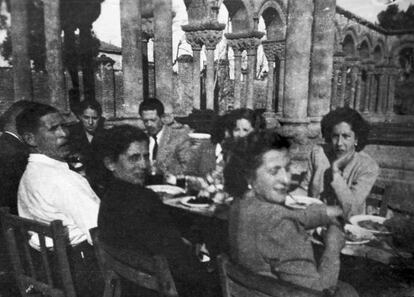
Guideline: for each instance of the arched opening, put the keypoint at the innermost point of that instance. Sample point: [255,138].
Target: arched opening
[364,50]
[348,46]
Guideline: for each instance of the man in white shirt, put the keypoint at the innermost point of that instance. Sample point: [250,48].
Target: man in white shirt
[49,190]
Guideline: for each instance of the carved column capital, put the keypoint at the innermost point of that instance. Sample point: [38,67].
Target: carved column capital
[273,49]
[210,38]
[147,25]
[248,41]
[193,38]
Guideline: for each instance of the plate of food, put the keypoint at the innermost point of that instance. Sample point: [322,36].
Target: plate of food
[357,235]
[374,224]
[300,202]
[196,202]
[166,189]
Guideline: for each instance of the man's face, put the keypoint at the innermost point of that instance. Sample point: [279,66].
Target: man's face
[90,119]
[152,122]
[132,165]
[51,138]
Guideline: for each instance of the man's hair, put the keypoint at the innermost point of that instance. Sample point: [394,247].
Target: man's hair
[92,104]
[152,104]
[350,116]
[29,119]
[9,116]
[116,140]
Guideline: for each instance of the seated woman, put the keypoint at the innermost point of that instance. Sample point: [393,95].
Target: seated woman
[244,121]
[264,235]
[133,217]
[339,172]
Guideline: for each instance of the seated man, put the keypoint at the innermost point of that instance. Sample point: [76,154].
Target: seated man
[133,217]
[169,146]
[13,156]
[49,190]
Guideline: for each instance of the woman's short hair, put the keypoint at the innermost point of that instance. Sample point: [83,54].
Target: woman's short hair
[350,116]
[245,156]
[254,117]
[92,104]
[117,140]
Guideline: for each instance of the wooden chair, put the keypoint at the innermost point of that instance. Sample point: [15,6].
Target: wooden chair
[377,200]
[30,279]
[237,281]
[150,272]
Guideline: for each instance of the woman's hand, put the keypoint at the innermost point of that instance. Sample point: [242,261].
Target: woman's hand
[341,162]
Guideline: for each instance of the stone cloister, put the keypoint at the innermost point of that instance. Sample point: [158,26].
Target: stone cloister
[319,56]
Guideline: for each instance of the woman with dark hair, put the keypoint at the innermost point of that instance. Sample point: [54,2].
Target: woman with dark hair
[339,172]
[243,121]
[266,236]
[133,217]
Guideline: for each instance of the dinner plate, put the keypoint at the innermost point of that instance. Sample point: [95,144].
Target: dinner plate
[199,135]
[362,221]
[169,189]
[357,235]
[187,202]
[300,202]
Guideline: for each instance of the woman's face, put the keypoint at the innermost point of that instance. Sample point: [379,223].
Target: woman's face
[243,128]
[272,178]
[90,120]
[132,165]
[343,139]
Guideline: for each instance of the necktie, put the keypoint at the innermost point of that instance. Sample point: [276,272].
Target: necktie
[155,149]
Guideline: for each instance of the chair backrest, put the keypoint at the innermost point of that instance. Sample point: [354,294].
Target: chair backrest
[46,271]
[151,272]
[237,281]
[378,199]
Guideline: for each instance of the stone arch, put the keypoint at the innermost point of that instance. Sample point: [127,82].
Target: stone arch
[378,53]
[274,15]
[348,45]
[239,12]
[365,47]
[396,49]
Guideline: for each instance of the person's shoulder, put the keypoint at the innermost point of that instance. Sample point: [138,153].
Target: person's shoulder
[367,161]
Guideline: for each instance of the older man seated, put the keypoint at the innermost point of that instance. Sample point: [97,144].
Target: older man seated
[49,190]
[169,146]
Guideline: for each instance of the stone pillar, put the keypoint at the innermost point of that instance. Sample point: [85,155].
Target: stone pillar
[210,39]
[344,77]
[298,48]
[251,47]
[368,88]
[382,89]
[131,33]
[147,34]
[374,91]
[358,94]
[320,87]
[105,85]
[163,49]
[354,84]
[280,53]
[22,74]
[237,51]
[195,42]
[269,50]
[391,90]
[54,63]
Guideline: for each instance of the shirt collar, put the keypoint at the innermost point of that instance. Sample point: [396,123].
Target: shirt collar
[160,133]
[41,158]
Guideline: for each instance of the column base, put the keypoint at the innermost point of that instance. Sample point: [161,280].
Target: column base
[271,119]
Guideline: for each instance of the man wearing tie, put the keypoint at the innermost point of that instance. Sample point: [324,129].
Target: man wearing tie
[169,146]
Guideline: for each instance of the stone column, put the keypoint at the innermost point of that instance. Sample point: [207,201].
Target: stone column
[320,86]
[354,83]
[344,77]
[237,51]
[210,39]
[374,91]
[54,63]
[251,47]
[163,49]
[270,52]
[147,34]
[280,53]
[195,42]
[368,85]
[391,90]
[358,94]
[105,85]
[22,74]
[298,48]
[382,95]
[131,33]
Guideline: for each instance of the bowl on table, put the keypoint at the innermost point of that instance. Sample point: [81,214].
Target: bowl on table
[374,224]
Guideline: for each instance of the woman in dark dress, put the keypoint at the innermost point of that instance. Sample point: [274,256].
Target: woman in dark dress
[133,217]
